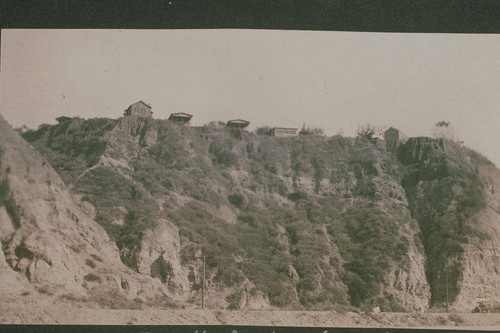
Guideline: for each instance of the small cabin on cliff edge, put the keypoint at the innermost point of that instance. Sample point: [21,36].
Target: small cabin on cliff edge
[237,123]
[180,118]
[391,137]
[139,109]
[283,131]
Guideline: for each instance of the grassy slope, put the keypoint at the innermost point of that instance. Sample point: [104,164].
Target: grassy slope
[331,209]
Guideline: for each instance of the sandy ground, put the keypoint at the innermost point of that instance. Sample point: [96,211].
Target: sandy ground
[49,312]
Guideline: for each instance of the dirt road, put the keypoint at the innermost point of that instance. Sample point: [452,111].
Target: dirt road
[48,312]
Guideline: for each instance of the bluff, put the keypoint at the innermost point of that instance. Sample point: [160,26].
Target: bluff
[50,245]
[452,194]
[307,222]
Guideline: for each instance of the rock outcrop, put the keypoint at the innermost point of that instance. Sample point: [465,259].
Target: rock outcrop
[48,242]
[451,193]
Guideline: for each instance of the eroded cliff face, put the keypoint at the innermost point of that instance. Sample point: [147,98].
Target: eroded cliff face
[451,191]
[481,274]
[49,245]
[409,281]
[307,222]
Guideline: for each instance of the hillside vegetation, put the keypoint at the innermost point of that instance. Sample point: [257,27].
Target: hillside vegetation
[306,222]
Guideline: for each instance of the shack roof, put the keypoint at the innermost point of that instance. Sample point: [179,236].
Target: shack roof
[140,102]
[181,114]
[238,121]
[391,129]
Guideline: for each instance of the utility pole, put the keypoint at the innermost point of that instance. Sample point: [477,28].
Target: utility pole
[203,283]
[446,274]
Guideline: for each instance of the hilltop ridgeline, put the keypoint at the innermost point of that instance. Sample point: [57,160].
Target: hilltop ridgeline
[306,222]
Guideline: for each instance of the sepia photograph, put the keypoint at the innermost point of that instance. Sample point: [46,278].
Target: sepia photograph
[251,178]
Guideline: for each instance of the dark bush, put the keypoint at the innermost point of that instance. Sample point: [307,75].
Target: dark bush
[90,263]
[236,200]
[91,277]
[266,130]
[234,300]
[296,196]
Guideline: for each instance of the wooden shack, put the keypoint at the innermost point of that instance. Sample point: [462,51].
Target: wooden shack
[139,109]
[283,131]
[180,118]
[391,137]
[237,123]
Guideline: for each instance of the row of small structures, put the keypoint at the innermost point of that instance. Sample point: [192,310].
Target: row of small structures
[143,110]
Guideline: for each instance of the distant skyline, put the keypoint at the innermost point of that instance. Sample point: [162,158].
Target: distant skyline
[333,80]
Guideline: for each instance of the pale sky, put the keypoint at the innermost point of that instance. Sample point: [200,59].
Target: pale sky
[333,80]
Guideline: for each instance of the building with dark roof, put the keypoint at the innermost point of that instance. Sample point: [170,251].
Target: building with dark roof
[139,109]
[391,137]
[237,123]
[180,118]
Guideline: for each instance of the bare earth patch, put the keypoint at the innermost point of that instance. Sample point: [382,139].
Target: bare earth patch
[26,310]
